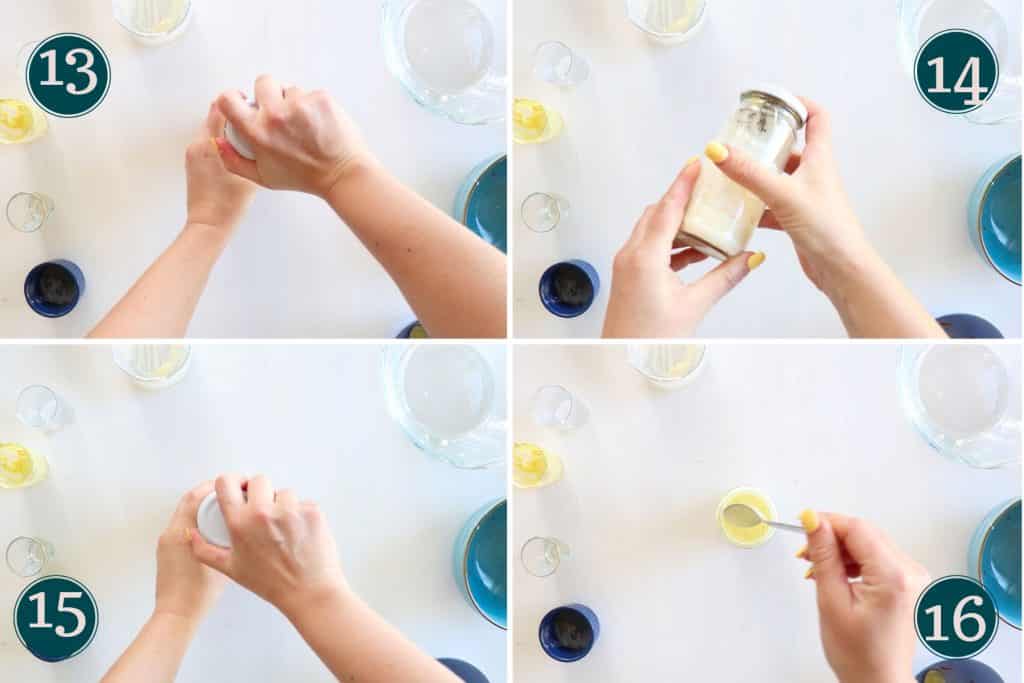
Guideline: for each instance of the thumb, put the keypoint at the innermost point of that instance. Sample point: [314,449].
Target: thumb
[212,556]
[826,555]
[715,284]
[236,163]
[772,187]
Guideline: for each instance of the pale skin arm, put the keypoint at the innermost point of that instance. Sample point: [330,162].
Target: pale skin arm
[283,551]
[162,302]
[454,281]
[185,593]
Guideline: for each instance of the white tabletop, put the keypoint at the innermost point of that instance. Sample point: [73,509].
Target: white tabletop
[646,108]
[812,426]
[314,420]
[118,181]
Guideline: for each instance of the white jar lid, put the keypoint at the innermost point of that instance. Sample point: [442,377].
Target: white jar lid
[240,145]
[784,96]
[210,521]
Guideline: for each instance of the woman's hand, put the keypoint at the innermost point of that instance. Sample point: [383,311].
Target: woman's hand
[867,626]
[808,202]
[216,198]
[648,300]
[281,550]
[302,141]
[185,588]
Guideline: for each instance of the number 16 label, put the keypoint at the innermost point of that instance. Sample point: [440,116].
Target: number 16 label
[956,617]
[68,75]
[957,71]
[56,618]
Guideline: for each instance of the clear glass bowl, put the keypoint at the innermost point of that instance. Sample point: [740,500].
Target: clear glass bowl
[667,366]
[964,399]
[450,400]
[449,55]
[997,21]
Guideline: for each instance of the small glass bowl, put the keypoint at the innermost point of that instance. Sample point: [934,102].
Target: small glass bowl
[658,363]
[770,514]
[653,17]
[449,55]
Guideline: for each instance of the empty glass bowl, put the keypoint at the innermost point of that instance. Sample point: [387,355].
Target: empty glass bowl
[446,399]
[449,55]
[964,400]
[997,21]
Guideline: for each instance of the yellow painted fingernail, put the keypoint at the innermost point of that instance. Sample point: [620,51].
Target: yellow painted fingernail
[810,573]
[216,149]
[755,261]
[717,152]
[691,161]
[809,518]
[802,553]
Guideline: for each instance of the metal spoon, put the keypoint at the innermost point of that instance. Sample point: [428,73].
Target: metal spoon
[744,516]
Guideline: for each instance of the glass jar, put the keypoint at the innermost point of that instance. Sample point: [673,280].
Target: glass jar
[722,215]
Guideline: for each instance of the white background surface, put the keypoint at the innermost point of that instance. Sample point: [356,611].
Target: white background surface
[314,420]
[647,108]
[812,426]
[117,175]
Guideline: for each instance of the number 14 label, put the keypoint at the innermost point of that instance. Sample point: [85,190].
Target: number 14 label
[957,71]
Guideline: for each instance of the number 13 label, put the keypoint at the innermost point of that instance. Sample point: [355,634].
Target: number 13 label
[957,71]
[56,618]
[68,75]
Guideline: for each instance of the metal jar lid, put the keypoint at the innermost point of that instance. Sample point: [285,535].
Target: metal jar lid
[210,521]
[783,97]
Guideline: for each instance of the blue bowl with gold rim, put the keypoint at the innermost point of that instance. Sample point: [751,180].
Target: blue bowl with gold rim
[482,202]
[481,562]
[994,558]
[994,217]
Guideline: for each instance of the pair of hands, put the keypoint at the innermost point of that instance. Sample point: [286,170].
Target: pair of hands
[282,550]
[649,301]
[303,141]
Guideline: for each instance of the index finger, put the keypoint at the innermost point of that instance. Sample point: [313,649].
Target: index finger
[819,123]
[215,121]
[665,222]
[229,494]
[236,109]
[867,547]
[188,506]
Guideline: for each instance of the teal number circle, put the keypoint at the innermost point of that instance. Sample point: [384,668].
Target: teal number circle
[76,613]
[955,47]
[63,89]
[946,595]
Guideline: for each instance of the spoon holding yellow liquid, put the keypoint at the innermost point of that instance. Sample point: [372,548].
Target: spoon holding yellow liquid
[743,516]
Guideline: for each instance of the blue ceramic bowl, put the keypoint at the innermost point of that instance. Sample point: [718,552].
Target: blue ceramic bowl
[568,289]
[413,330]
[482,202]
[568,633]
[966,326]
[994,217]
[480,562]
[54,288]
[993,558]
[963,671]
[464,670]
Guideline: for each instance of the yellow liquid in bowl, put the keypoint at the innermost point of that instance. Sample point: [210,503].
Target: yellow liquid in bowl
[19,468]
[534,467]
[533,123]
[20,122]
[747,537]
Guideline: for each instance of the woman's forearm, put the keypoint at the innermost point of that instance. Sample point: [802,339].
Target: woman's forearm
[874,304]
[156,653]
[454,281]
[356,644]
[162,302]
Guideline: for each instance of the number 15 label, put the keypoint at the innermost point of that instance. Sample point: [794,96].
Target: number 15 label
[68,75]
[56,618]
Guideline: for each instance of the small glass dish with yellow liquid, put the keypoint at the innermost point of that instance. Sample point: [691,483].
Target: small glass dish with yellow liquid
[747,537]
[20,122]
[534,123]
[20,467]
[534,467]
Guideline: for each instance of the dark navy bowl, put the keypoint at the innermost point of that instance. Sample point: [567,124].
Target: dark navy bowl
[54,288]
[966,326]
[464,670]
[963,671]
[568,633]
[413,330]
[568,289]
